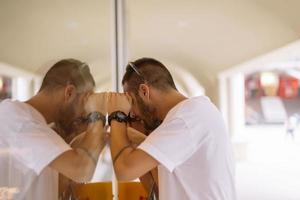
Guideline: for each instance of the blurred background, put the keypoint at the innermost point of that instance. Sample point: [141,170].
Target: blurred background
[243,54]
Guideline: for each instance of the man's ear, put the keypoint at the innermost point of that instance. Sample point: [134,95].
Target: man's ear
[144,92]
[70,93]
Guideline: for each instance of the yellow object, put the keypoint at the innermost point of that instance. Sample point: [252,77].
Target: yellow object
[95,191]
[131,191]
[103,191]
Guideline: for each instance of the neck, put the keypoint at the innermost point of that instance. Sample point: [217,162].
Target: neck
[168,101]
[45,105]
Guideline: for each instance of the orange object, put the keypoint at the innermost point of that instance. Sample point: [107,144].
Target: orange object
[103,191]
[131,191]
[95,191]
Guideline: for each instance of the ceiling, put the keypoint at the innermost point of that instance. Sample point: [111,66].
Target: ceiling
[204,37]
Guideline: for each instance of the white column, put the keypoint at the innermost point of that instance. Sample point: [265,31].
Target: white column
[119,57]
[223,97]
[237,104]
[119,47]
[37,82]
[22,88]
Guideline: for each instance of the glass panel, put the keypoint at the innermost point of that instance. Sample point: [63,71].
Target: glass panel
[34,36]
[205,41]
[159,32]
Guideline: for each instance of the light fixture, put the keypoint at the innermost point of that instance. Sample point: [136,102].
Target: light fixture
[268,79]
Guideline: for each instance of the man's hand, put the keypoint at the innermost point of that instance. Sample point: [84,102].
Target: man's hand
[97,102]
[119,102]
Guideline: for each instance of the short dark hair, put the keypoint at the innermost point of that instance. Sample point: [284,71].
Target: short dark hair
[68,71]
[149,71]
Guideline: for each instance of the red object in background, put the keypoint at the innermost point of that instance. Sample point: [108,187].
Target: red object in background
[288,87]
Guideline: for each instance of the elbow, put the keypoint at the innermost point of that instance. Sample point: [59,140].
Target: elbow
[82,178]
[122,177]
[122,173]
[83,173]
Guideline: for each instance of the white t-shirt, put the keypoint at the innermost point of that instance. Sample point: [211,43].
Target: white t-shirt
[194,152]
[27,146]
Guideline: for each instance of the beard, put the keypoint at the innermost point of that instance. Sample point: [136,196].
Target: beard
[65,123]
[148,115]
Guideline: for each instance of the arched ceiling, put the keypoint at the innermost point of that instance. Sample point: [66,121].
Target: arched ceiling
[35,34]
[203,36]
[209,36]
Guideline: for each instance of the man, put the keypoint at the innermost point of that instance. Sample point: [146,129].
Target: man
[32,153]
[188,142]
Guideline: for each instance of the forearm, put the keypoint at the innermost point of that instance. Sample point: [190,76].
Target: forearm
[119,137]
[79,163]
[90,147]
[120,156]
[93,140]
[130,163]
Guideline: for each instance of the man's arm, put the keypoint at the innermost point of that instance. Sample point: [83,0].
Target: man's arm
[76,141]
[129,163]
[65,182]
[136,138]
[79,163]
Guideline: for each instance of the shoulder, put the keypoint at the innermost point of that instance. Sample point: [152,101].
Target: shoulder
[197,113]
[37,127]
[192,107]
[8,104]
[41,134]
[13,115]
[14,109]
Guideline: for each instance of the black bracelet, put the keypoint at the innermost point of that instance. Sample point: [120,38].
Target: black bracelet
[120,152]
[95,116]
[119,116]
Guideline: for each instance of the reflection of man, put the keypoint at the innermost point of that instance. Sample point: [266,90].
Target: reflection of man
[32,153]
[188,142]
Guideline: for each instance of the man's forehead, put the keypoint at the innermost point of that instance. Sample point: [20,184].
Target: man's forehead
[126,89]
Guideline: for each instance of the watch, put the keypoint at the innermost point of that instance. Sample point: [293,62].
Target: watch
[95,116]
[119,116]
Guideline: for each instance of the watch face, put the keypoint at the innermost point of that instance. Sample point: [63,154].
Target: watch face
[121,115]
[95,116]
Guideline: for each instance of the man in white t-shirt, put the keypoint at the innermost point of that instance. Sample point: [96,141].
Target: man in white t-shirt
[31,153]
[188,142]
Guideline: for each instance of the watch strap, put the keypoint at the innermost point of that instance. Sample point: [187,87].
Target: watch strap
[116,116]
[96,116]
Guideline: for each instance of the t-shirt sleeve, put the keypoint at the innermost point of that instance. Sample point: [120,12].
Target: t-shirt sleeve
[170,144]
[38,145]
